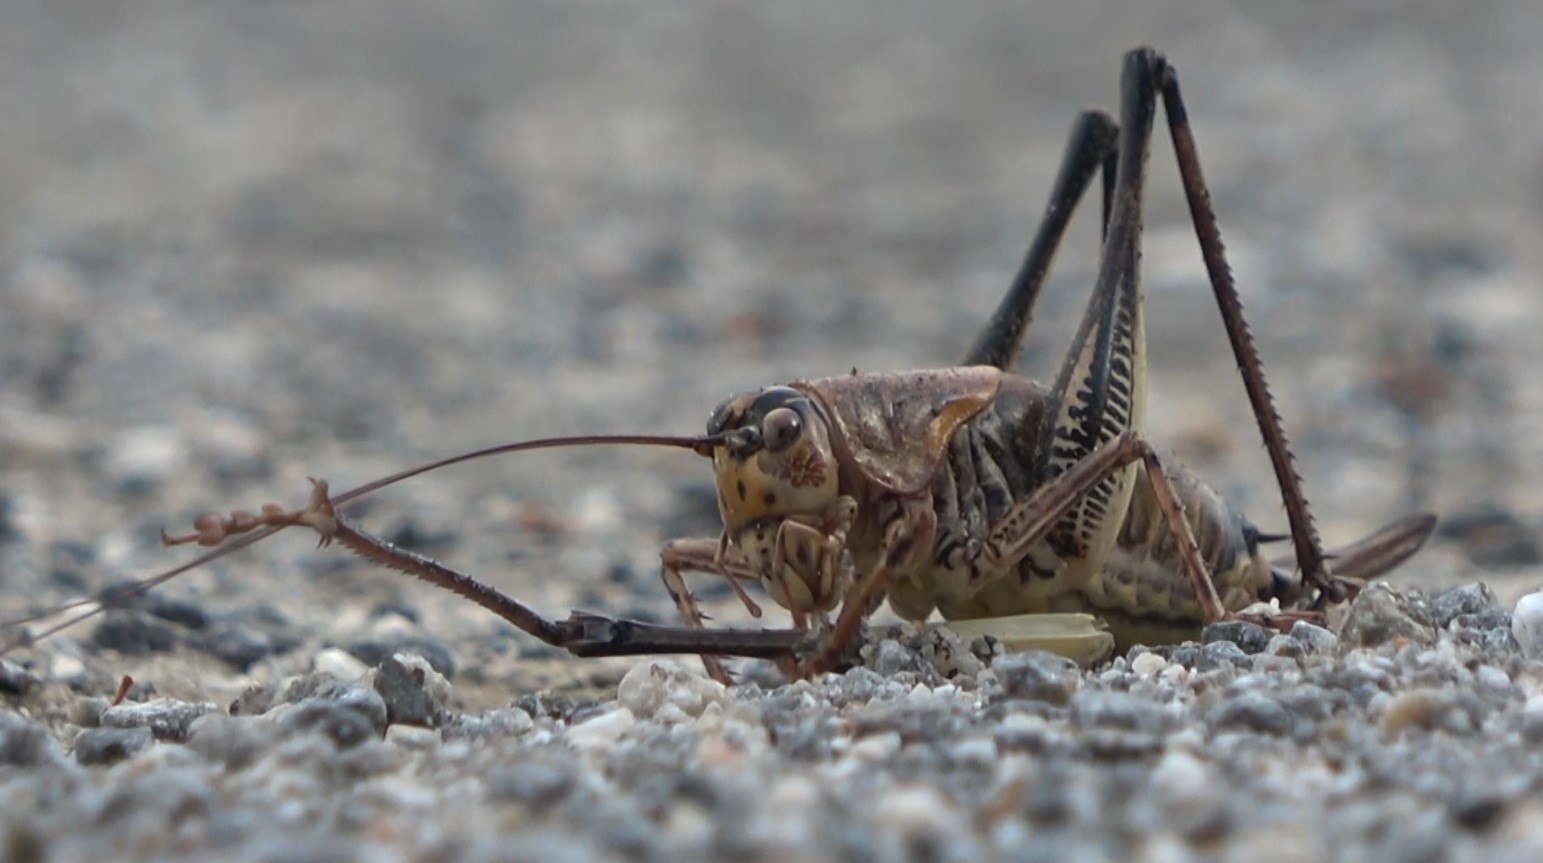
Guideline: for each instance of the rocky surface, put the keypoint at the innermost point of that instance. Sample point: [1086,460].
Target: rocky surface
[242,244]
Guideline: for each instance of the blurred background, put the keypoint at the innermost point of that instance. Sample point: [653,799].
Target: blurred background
[245,243]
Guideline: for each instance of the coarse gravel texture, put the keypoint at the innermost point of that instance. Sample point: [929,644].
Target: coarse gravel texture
[242,244]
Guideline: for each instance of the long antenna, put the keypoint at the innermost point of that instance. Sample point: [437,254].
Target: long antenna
[211,526]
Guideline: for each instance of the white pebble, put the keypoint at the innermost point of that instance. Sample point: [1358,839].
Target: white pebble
[64,668]
[1148,664]
[146,453]
[339,664]
[1180,773]
[1492,677]
[1532,708]
[602,732]
[876,747]
[650,686]
[1527,624]
[412,736]
[917,810]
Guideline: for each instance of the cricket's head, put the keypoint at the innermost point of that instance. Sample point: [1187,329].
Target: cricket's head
[775,461]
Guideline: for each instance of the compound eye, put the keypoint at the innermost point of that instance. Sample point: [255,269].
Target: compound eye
[780,427]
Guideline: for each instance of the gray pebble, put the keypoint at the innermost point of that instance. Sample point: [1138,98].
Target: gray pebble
[15,680]
[1379,615]
[493,724]
[166,718]
[375,651]
[1253,711]
[1250,637]
[1527,625]
[255,700]
[1315,638]
[1037,676]
[1221,654]
[99,747]
[1284,646]
[233,741]
[238,646]
[891,658]
[348,717]
[134,633]
[1474,598]
[409,694]
[536,783]
[556,706]
[1532,721]
[1094,709]
[1488,631]
[87,711]
[24,743]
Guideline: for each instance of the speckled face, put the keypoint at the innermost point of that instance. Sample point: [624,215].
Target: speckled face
[776,464]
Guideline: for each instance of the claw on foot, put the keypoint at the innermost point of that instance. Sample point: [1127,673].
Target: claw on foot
[1275,618]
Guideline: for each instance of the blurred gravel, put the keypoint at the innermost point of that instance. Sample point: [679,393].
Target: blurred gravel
[244,243]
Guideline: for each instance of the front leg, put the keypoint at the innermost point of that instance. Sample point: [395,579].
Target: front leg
[680,556]
[816,556]
[907,538]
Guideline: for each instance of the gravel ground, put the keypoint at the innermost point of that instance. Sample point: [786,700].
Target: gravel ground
[241,244]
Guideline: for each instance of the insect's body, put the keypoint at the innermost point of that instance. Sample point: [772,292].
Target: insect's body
[1117,561]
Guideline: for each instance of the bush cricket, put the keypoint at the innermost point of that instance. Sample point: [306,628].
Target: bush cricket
[970,491]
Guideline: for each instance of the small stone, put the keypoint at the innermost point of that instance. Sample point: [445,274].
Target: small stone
[1532,720]
[87,711]
[189,615]
[99,747]
[339,664]
[1527,625]
[1489,631]
[1221,654]
[167,719]
[1493,536]
[134,633]
[24,743]
[238,646]
[650,686]
[15,680]
[1491,677]
[374,651]
[1482,621]
[233,741]
[1253,711]
[1315,638]
[348,716]
[601,732]
[1094,709]
[413,692]
[876,748]
[1284,646]
[1148,664]
[557,706]
[412,736]
[891,658]
[493,724]
[535,783]
[1250,637]
[1380,615]
[67,669]
[144,456]
[1037,676]
[255,700]
[1418,708]
[1473,598]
